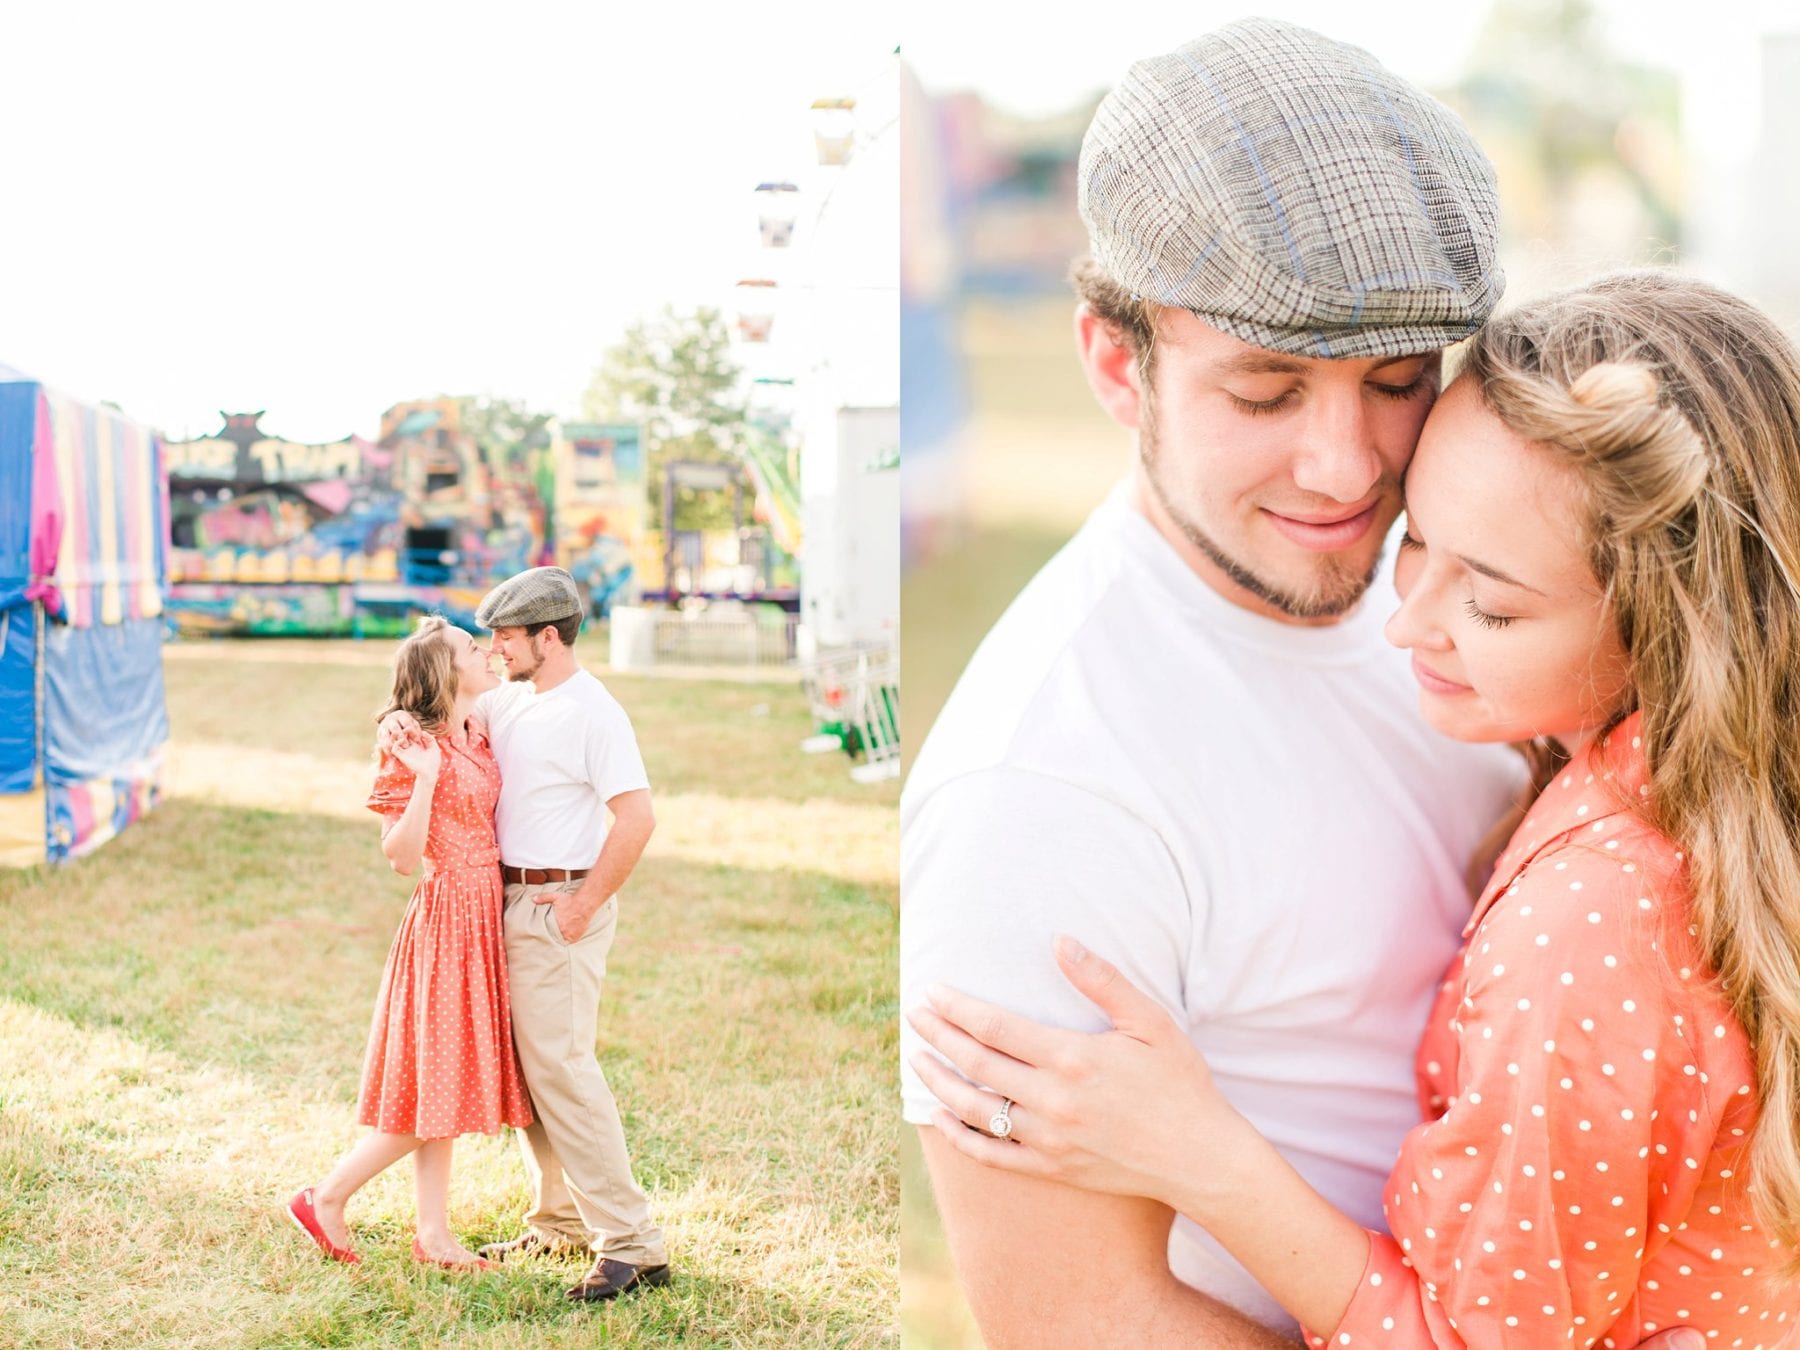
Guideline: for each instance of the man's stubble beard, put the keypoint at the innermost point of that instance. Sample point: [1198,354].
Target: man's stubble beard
[519,675]
[1335,590]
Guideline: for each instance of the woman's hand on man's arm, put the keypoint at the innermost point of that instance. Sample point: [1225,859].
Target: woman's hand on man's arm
[396,729]
[1126,1111]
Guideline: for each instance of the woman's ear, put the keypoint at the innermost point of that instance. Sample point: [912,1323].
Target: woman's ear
[1110,365]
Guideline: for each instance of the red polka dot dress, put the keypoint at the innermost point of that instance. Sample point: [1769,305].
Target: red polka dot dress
[441,1060]
[1582,1177]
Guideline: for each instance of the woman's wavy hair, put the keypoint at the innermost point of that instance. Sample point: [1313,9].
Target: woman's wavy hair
[425,676]
[1680,407]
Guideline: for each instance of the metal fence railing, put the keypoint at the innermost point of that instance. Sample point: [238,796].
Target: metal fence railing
[762,636]
[854,693]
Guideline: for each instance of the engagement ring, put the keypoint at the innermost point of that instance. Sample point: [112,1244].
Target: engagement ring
[1000,1125]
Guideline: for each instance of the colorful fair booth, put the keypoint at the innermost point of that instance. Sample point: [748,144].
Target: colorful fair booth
[346,538]
[600,510]
[83,525]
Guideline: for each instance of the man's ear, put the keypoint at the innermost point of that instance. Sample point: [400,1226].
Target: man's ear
[1110,365]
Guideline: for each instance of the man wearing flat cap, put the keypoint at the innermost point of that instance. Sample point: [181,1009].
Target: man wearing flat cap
[568,760]
[1186,741]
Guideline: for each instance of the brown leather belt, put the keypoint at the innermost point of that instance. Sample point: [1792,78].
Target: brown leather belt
[538,876]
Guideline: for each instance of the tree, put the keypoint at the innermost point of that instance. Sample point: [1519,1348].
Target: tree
[673,374]
[1546,84]
[505,429]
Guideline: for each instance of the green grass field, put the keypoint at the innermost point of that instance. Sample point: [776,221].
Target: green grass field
[182,1018]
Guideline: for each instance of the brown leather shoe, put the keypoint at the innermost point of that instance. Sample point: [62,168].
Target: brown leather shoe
[608,1278]
[529,1243]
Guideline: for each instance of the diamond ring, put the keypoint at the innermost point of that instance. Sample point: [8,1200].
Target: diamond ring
[1000,1124]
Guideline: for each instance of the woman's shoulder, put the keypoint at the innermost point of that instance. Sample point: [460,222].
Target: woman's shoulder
[1617,879]
[1603,919]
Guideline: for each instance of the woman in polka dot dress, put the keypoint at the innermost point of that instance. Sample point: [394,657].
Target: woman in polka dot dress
[1602,563]
[440,1060]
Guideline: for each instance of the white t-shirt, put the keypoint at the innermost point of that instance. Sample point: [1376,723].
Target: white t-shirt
[563,754]
[1248,817]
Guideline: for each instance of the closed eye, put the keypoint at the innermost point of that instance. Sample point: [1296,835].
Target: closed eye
[1482,617]
[1402,391]
[1258,407]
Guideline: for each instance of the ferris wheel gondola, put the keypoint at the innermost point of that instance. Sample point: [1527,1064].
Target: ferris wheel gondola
[834,130]
[756,302]
[776,211]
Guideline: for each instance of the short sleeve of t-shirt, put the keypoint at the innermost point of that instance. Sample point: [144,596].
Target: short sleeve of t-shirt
[995,864]
[613,762]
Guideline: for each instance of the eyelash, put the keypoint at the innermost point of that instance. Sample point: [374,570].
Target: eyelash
[1256,408]
[1482,617]
[1474,611]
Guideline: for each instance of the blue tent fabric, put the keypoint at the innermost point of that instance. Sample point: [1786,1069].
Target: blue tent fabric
[81,703]
[18,699]
[103,699]
[18,621]
[18,421]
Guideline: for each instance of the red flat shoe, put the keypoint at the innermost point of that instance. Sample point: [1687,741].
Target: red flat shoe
[306,1219]
[425,1258]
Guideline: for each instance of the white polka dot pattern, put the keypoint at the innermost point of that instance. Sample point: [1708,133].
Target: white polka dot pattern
[441,1060]
[1589,1108]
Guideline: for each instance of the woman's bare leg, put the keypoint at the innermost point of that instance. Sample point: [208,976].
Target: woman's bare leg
[373,1154]
[431,1177]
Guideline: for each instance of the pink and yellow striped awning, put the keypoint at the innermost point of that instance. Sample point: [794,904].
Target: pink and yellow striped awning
[100,505]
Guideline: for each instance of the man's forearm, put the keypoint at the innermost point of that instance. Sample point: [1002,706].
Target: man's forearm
[617,860]
[1177,1317]
[625,844]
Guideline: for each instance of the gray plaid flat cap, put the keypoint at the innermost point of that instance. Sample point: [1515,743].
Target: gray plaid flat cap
[542,595]
[1292,192]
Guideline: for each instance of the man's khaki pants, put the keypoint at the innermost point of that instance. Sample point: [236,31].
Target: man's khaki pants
[581,1186]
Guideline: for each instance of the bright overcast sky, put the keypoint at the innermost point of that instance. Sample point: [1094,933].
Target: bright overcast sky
[1047,67]
[324,209]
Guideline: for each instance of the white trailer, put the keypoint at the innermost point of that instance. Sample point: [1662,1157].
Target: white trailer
[850,512]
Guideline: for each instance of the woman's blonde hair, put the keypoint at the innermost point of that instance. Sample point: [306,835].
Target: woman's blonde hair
[1680,407]
[425,676]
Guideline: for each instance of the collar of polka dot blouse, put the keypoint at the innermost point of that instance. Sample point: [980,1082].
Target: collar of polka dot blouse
[466,738]
[1608,779]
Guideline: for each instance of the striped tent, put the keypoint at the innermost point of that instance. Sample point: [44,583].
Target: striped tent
[83,557]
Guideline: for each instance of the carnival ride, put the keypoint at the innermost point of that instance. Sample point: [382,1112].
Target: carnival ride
[752,562]
[825,453]
[347,538]
[356,537]
[600,509]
